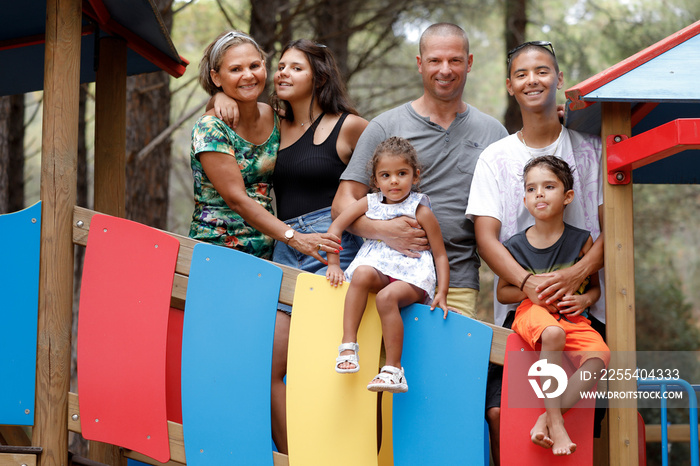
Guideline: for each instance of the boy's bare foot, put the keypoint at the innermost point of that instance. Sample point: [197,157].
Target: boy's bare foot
[562,443]
[539,433]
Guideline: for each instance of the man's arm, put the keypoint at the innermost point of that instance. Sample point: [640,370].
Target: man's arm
[402,234]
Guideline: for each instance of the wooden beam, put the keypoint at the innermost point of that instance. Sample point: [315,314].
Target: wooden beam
[14,459]
[81,227]
[676,433]
[175,433]
[110,128]
[58,193]
[619,292]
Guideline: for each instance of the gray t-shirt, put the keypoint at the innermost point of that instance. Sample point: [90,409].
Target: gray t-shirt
[447,157]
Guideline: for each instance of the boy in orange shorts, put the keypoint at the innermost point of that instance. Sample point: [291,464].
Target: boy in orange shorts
[548,245]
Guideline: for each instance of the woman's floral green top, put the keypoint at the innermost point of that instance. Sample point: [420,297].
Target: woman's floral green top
[213,221]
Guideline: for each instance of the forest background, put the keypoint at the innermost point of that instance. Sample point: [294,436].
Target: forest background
[375,43]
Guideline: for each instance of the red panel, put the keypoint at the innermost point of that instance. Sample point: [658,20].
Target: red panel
[122,335]
[650,146]
[516,422]
[174,365]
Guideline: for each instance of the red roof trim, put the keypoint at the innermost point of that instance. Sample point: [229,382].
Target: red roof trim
[100,14]
[577,93]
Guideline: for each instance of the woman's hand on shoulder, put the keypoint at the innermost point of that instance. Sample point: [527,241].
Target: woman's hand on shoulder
[225,108]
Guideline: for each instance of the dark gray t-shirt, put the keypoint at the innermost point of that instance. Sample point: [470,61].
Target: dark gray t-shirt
[447,157]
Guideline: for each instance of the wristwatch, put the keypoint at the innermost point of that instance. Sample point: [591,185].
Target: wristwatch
[289,234]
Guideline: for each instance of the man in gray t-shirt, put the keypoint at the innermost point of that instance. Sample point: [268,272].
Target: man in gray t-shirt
[449,136]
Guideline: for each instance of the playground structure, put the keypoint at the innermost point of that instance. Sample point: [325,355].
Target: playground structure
[62,225]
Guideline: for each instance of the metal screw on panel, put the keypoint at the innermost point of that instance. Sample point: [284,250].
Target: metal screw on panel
[79,224]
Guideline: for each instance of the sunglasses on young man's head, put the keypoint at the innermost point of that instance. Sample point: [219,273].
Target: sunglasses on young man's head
[538,43]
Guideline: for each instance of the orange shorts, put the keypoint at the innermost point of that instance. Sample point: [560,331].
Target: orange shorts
[582,342]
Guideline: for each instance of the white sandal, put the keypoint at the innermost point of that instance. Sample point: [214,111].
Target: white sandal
[393,381]
[349,358]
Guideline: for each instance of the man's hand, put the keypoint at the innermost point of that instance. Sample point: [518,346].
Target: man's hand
[553,286]
[405,235]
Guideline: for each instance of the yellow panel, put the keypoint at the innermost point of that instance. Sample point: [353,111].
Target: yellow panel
[331,417]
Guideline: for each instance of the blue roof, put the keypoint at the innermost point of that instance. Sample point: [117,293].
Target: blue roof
[665,73]
[23,24]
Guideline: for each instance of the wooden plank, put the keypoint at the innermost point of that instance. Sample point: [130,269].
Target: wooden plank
[15,459]
[122,334]
[676,433]
[177,442]
[15,435]
[619,291]
[81,227]
[446,361]
[110,127]
[58,192]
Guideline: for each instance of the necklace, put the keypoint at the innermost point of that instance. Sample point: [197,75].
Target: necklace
[521,137]
[313,118]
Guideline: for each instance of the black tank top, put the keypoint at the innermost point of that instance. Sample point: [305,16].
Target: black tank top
[307,175]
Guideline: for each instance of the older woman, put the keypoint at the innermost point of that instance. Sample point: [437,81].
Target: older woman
[232,171]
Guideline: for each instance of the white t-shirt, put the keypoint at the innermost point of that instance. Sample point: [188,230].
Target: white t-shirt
[497,191]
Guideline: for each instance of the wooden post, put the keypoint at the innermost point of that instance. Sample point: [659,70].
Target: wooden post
[110,128]
[58,191]
[619,291]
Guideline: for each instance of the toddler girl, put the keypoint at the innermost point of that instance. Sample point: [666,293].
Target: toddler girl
[397,279]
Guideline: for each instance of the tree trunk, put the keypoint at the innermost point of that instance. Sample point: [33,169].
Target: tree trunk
[11,153]
[265,15]
[516,23]
[147,115]
[331,24]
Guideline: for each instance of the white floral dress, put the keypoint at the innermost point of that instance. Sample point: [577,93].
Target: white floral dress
[418,271]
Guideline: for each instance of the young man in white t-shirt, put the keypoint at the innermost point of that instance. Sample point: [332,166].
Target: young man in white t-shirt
[496,198]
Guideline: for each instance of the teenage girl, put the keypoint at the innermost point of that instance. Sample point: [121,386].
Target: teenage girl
[397,279]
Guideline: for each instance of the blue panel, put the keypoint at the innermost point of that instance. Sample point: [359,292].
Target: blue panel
[671,77]
[440,420]
[228,332]
[20,237]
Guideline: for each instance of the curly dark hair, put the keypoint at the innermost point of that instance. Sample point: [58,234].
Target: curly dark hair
[396,146]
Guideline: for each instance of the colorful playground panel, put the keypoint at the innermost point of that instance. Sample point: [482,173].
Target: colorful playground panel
[516,422]
[331,417]
[122,335]
[229,326]
[440,420]
[20,234]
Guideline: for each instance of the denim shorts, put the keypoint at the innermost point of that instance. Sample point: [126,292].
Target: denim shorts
[315,222]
